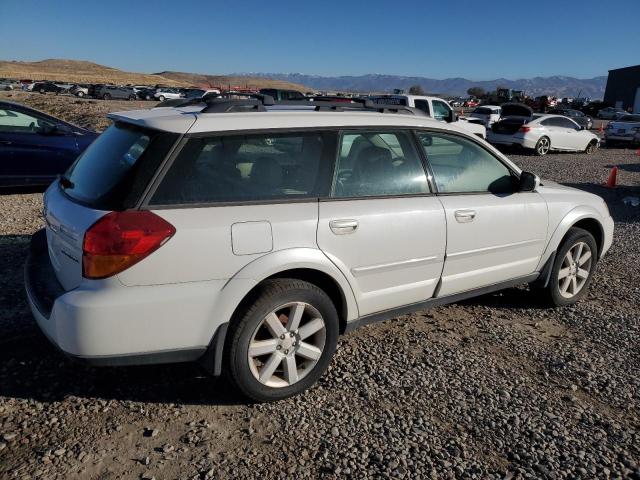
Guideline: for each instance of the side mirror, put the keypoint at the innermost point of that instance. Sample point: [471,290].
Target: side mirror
[451,117]
[528,182]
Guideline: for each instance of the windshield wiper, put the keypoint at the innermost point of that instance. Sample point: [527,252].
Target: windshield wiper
[65,182]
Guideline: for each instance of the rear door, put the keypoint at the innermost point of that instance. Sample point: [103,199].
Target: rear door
[381,226]
[494,233]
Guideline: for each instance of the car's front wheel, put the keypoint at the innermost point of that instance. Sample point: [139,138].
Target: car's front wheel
[161,98]
[573,268]
[542,146]
[106,96]
[284,341]
[80,94]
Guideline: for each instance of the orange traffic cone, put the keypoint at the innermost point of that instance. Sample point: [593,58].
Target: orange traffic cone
[601,129]
[611,182]
[638,152]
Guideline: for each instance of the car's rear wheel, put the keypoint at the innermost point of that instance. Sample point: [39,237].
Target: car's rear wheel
[42,90]
[573,268]
[80,94]
[284,341]
[591,148]
[542,146]
[131,97]
[106,96]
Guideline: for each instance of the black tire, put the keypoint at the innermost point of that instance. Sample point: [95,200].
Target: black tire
[42,91]
[131,98]
[106,96]
[552,293]
[591,148]
[161,98]
[80,94]
[271,295]
[543,146]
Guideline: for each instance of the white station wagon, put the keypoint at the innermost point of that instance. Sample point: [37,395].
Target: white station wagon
[248,235]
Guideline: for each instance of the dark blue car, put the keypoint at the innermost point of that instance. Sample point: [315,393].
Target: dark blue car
[35,147]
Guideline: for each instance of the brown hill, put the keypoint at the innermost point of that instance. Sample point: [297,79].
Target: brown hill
[80,71]
[233,81]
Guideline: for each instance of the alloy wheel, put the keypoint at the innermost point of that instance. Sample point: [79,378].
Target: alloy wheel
[543,146]
[575,270]
[287,344]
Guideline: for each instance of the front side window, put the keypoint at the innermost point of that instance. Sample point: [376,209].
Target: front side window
[461,166]
[14,121]
[440,110]
[375,163]
[239,168]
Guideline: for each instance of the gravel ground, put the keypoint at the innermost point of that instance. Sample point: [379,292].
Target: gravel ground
[497,387]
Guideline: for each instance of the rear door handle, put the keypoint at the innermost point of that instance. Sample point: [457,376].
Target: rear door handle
[465,215]
[342,227]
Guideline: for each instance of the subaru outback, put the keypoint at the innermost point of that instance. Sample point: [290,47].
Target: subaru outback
[248,235]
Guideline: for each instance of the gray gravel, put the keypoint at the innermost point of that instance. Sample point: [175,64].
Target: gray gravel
[497,387]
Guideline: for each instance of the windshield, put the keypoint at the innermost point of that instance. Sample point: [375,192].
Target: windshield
[112,173]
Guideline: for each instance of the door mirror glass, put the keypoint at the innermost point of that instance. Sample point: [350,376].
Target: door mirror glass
[528,182]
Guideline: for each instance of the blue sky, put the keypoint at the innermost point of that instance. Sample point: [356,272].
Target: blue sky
[474,39]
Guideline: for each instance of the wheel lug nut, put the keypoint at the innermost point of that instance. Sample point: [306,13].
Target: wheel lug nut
[282,337]
[286,352]
[279,347]
[291,334]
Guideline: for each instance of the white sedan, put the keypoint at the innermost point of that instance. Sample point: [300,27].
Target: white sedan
[489,114]
[543,133]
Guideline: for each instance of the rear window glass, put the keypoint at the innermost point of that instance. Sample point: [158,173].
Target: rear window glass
[114,170]
[240,168]
[483,111]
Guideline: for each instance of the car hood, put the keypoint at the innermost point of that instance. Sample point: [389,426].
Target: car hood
[516,110]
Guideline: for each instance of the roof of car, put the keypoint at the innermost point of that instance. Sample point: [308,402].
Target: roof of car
[190,119]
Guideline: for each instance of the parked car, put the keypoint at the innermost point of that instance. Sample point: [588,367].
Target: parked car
[624,130]
[434,107]
[471,103]
[44,87]
[112,92]
[163,94]
[542,133]
[223,215]
[610,113]
[6,85]
[489,114]
[199,92]
[577,116]
[36,147]
[146,93]
[80,90]
[282,94]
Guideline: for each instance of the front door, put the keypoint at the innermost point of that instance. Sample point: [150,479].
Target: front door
[381,225]
[494,233]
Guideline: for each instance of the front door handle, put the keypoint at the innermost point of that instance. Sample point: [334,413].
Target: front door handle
[465,216]
[342,227]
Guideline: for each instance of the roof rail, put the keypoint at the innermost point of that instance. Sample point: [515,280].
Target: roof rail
[227,103]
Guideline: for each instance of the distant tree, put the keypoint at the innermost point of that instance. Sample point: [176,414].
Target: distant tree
[416,90]
[476,92]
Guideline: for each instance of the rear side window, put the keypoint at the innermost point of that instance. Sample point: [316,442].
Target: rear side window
[378,163]
[422,105]
[114,170]
[238,168]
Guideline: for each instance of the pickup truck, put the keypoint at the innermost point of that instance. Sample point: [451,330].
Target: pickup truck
[434,107]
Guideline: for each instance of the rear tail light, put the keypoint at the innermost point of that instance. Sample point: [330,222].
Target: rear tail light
[524,129]
[121,239]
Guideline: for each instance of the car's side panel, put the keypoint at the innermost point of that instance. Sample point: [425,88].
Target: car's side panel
[203,248]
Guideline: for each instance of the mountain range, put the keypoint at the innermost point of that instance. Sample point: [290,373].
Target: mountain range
[560,86]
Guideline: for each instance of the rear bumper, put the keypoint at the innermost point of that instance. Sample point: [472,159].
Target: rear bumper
[517,140]
[116,325]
